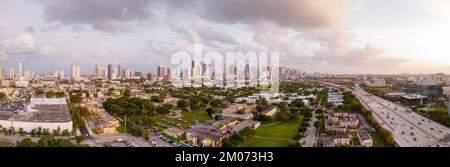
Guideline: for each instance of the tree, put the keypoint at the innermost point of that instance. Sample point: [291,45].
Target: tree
[164,109]
[76,98]
[110,91]
[79,139]
[127,92]
[39,92]
[247,132]
[21,131]
[27,142]
[211,111]
[230,98]
[292,143]
[66,132]
[33,132]
[147,121]
[262,102]
[2,96]
[182,103]
[156,99]
[282,116]
[47,141]
[39,131]
[297,103]
[298,136]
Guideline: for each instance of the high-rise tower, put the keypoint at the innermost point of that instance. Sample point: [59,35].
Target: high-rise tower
[20,69]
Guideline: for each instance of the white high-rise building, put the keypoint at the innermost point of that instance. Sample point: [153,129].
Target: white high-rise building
[76,73]
[61,74]
[20,69]
[27,75]
[11,73]
[97,71]
[55,74]
[114,74]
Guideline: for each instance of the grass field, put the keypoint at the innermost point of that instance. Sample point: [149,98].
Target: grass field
[254,142]
[4,143]
[378,141]
[280,131]
[201,116]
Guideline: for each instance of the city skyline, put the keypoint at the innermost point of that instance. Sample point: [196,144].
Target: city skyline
[343,36]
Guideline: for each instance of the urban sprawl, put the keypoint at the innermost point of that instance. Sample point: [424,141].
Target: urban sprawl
[119,107]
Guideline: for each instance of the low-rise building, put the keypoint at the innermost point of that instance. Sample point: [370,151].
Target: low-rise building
[337,140]
[46,113]
[270,111]
[204,136]
[234,108]
[365,139]
[174,132]
[341,121]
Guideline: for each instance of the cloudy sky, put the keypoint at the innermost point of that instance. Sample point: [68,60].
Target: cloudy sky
[335,36]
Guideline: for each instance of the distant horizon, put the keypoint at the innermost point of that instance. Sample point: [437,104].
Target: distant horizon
[67,70]
[340,36]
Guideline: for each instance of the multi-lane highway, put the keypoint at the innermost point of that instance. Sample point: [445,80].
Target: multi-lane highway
[408,128]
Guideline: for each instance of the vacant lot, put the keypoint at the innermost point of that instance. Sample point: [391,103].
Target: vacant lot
[4,143]
[275,135]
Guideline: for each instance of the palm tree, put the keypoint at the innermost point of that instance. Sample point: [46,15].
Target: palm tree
[21,131]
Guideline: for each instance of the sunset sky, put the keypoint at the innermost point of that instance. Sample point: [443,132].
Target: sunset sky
[335,36]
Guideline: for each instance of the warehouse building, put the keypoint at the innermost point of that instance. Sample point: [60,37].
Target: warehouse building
[46,113]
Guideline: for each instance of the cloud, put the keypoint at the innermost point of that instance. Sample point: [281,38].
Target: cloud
[209,35]
[104,15]
[161,48]
[436,7]
[368,56]
[29,29]
[26,45]
[3,56]
[286,13]
[183,33]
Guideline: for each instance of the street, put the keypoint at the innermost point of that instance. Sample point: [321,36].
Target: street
[310,137]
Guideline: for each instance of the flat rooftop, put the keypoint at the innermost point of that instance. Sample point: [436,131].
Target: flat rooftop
[40,110]
[414,96]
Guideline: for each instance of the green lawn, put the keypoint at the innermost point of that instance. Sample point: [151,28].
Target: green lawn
[378,141]
[285,130]
[4,143]
[121,129]
[254,142]
[201,116]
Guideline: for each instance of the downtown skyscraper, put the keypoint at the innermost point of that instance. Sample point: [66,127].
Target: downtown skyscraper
[110,72]
[160,71]
[20,69]
[76,73]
